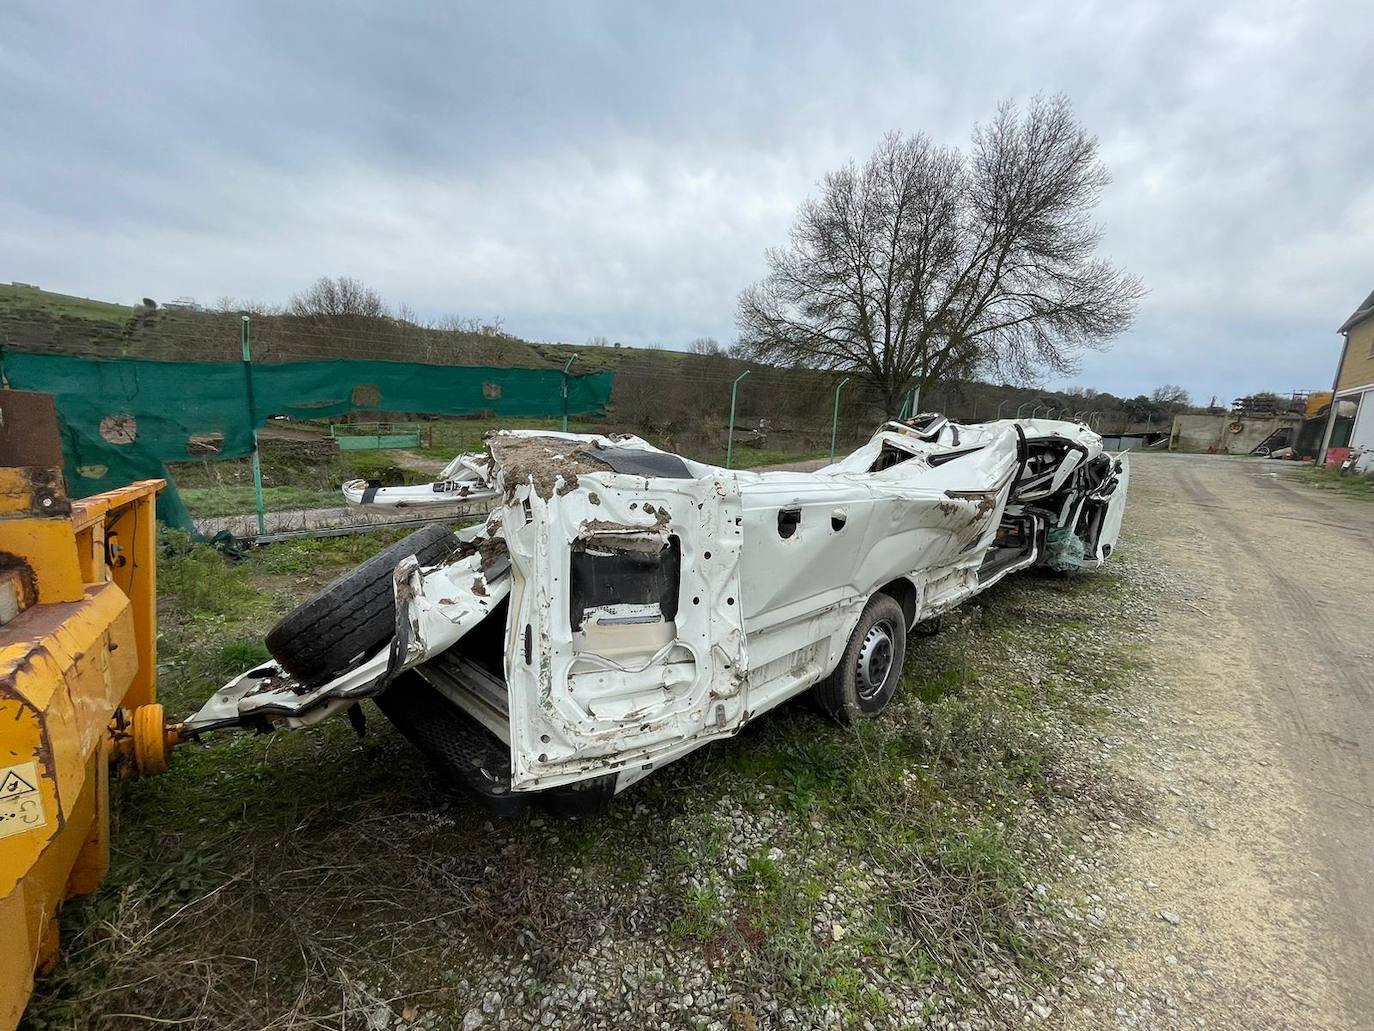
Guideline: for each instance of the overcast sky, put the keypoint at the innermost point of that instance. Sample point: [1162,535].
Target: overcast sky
[591,169]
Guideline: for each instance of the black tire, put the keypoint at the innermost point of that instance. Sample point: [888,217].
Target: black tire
[353,615]
[866,678]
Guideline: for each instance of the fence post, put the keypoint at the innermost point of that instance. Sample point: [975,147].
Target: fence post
[835,417]
[565,389]
[253,425]
[730,440]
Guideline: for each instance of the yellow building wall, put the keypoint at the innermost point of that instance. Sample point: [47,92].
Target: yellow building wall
[1358,368]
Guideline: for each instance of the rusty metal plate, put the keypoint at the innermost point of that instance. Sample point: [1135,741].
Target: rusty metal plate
[28,429]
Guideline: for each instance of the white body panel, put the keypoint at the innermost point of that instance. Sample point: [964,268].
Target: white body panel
[653,604]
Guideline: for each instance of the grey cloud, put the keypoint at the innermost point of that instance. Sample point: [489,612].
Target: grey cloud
[619,169]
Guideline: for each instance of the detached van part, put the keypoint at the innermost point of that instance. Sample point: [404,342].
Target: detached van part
[622,605]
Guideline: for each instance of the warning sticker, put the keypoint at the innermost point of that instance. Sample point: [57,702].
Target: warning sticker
[21,803]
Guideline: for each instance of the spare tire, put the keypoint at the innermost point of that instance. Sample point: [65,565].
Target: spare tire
[322,637]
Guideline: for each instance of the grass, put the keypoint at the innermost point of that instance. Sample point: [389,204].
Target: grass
[16,299]
[1353,485]
[213,612]
[225,487]
[754,458]
[268,881]
[235,498]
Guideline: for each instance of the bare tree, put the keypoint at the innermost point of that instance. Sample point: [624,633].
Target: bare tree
[229,305]
[1170,396]
[929,263]
[471,325]
[708,346]
[337,296]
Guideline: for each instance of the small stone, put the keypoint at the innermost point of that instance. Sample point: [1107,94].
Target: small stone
[1169,918]
[472,1019]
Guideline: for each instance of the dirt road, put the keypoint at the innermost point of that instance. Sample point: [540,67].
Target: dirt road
[1249,899]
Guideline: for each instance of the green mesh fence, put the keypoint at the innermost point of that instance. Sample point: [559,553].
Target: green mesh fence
[123,419]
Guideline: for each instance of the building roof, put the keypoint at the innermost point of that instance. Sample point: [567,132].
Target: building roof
[1364,311]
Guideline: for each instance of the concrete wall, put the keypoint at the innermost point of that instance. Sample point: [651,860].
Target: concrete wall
[1214,432]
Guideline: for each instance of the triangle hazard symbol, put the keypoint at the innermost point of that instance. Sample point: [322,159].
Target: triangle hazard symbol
[13,784]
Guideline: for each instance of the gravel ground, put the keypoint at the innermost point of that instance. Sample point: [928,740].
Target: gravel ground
[1245,900]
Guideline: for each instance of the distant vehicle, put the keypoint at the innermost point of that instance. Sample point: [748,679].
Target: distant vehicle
[1359,460]
[623,606]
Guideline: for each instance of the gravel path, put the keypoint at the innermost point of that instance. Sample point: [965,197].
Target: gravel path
[1249,901]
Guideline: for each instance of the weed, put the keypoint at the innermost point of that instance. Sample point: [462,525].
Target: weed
[1354,485]
[232,499]
[314,554]
[701,916]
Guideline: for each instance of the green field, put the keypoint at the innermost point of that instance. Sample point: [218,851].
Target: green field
[15,299]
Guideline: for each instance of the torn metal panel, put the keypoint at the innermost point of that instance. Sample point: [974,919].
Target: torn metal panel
[465,479]
[625,623]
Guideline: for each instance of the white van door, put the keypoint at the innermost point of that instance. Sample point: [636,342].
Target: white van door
[625,643]
[1116,508]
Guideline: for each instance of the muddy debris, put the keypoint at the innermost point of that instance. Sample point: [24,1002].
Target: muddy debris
[604,535]
[491,549]
[541,462]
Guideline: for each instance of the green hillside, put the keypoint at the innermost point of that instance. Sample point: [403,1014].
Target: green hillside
[35,319]
[41,321]
[32,299]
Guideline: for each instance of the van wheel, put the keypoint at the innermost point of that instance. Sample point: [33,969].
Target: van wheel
[866,678]
[324,636]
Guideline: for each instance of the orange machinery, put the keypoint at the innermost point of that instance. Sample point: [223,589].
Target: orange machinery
[77,681]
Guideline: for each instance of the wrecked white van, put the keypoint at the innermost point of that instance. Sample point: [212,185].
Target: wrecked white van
[622,605]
